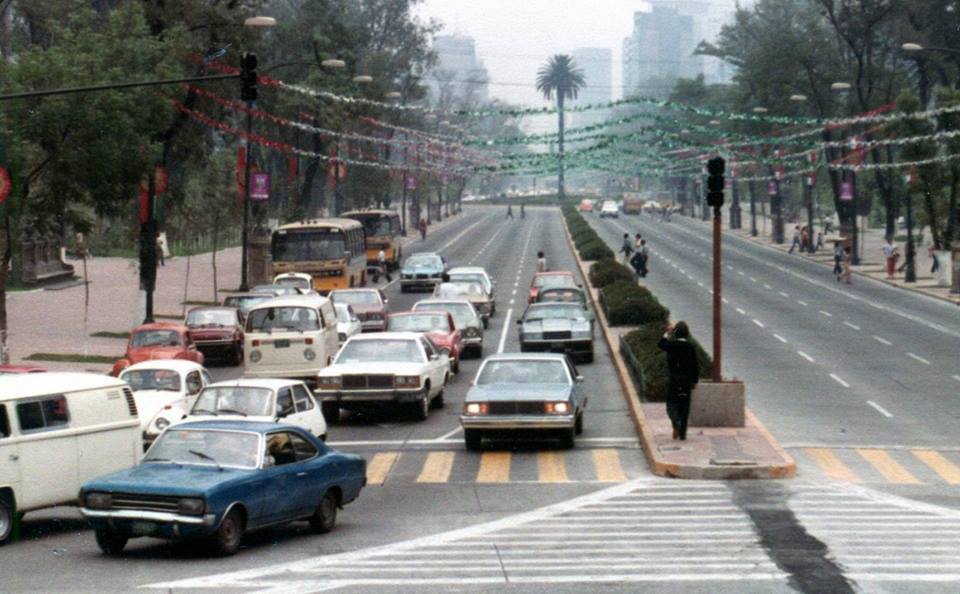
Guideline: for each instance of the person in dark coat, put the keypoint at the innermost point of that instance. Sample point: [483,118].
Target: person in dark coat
[684,374]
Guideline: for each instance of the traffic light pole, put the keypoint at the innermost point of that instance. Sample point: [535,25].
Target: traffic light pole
[715,186]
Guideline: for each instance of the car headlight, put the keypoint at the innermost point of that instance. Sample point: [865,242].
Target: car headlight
[309,354]
[330,382]
[407,381]
[476,408]
[98,500]
[557,408]
[471,332]
[191,506]
[161,423]
[530,335]
[255,356]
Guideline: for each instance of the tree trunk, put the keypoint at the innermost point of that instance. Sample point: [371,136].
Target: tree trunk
[930,207]
[953,215]
[560,164]
[213,263]
[4,266]
[186,286]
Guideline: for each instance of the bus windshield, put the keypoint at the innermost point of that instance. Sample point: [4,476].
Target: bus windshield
[377,226]
[308,245]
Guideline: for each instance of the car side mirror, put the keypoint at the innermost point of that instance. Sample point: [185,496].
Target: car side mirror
[579,379]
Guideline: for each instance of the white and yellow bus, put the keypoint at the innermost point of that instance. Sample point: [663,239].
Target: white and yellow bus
[332,251]
[382,230]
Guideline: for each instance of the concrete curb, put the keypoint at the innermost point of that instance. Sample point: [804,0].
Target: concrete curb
[647,439]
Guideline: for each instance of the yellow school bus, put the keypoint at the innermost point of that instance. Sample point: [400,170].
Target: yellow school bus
[332,251]
[382,229]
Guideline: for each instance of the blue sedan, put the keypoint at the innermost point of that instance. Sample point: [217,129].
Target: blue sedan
[216,480]
[423,270]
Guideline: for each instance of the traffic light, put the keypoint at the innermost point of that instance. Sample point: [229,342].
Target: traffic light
[715,182]
[248,77]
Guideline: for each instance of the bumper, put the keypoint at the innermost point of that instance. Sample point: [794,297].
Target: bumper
[558,346]
[309,375]
[420,282]
[150,523]
[373,325]
[393,395]
[517,422]
[473,341]
[216,346]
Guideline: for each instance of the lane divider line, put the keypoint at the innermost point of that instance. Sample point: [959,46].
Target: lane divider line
[780,338]
[506,328]
[854,326]
[837,379]
[880,409]
[882,340]
[826,313]
[918,358]
[758,323]
[806,356]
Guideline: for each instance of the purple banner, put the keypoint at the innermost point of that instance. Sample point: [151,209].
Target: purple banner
[771,188]
[846,191]
[260,186]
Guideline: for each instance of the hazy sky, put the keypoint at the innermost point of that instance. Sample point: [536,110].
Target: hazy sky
[515,37]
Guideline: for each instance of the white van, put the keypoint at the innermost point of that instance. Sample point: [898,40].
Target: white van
[57,431]
[290,337]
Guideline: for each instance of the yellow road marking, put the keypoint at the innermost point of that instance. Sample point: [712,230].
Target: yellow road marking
[831,465]
[379,467]
[494,467]
[947,470]
[888,467]
[437,468]
[606,462]
[551,468]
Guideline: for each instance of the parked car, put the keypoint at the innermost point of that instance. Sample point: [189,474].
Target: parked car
[244,301]
[370,306]
[260,400]
[558,328]
[422,270]
[348,324]
[58,430]
[218,480]
[465,317]
[562,295]
[389,368]
[164,391]
[297,280]
[609,209]
[472,292]
[217,332]
[158,340]
[438,326]
[544,280]
[517,395]
[477,274]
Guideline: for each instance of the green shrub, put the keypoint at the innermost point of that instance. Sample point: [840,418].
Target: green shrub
[582,236]
[608,271]
[594,249]
[628,304]
[652,374]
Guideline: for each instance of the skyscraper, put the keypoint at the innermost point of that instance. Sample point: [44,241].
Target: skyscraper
[597,66]
[459,75]
[659,51]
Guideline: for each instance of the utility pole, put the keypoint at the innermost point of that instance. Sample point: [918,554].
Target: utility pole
[715,183]
[248,93]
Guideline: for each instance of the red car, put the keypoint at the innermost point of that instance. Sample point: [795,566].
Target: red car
[12,369]
[370,305]
[439,328]
[544,280]
[160,340]
[217,331]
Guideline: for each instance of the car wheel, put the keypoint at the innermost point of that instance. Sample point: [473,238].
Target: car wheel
[578,428]
[486,323]
[226,540]
[111,541]
[472,438]
[404,289]
[456,365]
[331,412]
[478,351]
[422,405]
[567,438]
[237,358]
[325,516]
[8,519]
[588,357]
[523,348]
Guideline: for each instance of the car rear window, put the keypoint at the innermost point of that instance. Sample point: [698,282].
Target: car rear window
[4,422]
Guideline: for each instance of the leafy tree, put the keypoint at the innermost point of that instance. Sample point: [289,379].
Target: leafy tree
[560,77]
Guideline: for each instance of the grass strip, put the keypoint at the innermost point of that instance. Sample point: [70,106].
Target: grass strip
[109,334]
[70,358]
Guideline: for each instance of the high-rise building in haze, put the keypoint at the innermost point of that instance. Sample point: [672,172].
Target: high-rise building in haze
[596,63]
[459,75]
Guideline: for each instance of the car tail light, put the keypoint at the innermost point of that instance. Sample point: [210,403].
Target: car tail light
[255,343]
[308,341]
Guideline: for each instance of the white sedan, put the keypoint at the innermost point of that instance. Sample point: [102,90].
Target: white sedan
[394,368]
[261,400]
[163,390]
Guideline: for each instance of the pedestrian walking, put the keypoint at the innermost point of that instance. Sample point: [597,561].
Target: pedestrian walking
[796,239]
[523,214]
[847,272]
[627,248]
[384,268]
[541,262]
[423,228]
[804,239]
[837,259]
[510,211]
[644,257]
[636,241]
[891,255]
[933,256]
[684,373]
[160,246]
[819,245]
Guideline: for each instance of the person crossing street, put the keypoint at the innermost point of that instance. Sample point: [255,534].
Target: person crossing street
[510,211]
[627,248]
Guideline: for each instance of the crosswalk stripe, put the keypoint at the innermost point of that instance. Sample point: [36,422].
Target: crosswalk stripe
[606,463]
[494,467]
[550,468]
[437,468]
[947,470]
[888,467]
[831,465]
[380,466]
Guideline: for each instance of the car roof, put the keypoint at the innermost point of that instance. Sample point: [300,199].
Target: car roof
[238,425]
[356,289]
[26,385]
[161,326]
[441,300]
[526,357]
[422,312]
[468,269]
[180,365]
[414,254]
[313,300]
[386,336]
[268,383]
[212,307]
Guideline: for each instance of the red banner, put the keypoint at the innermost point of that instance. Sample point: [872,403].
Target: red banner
[4,184]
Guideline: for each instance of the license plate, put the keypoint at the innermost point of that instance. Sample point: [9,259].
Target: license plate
[281,344]
[143,528]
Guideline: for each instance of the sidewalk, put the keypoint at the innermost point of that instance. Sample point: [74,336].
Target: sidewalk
[721,453]
[871,257]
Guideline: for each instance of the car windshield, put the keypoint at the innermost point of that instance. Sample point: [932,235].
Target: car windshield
[462,313]
[562,295]
[243,400]
[156,338]
[211,317]
[245,302]
[554,280]
[308,245]
[375,225]
[555,313]
[380,351]
[424,262]
[224,448]
[523,372]
[419,323]
[278,289]
[293,281]
[152,379]
[271,319]
[459,290]
[357,297]
[468,277]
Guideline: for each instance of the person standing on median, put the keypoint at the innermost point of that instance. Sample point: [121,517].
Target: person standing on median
[627,248]
[891,255]
[423,228]
[796,239]
[684,373]
[837,258]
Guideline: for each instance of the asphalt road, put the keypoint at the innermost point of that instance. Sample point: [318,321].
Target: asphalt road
[534,518]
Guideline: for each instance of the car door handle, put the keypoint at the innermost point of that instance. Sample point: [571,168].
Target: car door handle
[301,474]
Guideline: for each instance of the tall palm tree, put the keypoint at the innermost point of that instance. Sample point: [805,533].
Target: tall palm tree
[560,77]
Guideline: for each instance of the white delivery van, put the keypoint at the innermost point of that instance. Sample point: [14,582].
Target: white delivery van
[57,431]
[290,337]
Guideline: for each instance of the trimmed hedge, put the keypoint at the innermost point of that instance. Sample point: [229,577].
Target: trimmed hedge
[628,304]
[650,363]
[608,271]
[595,249]
[586,240]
